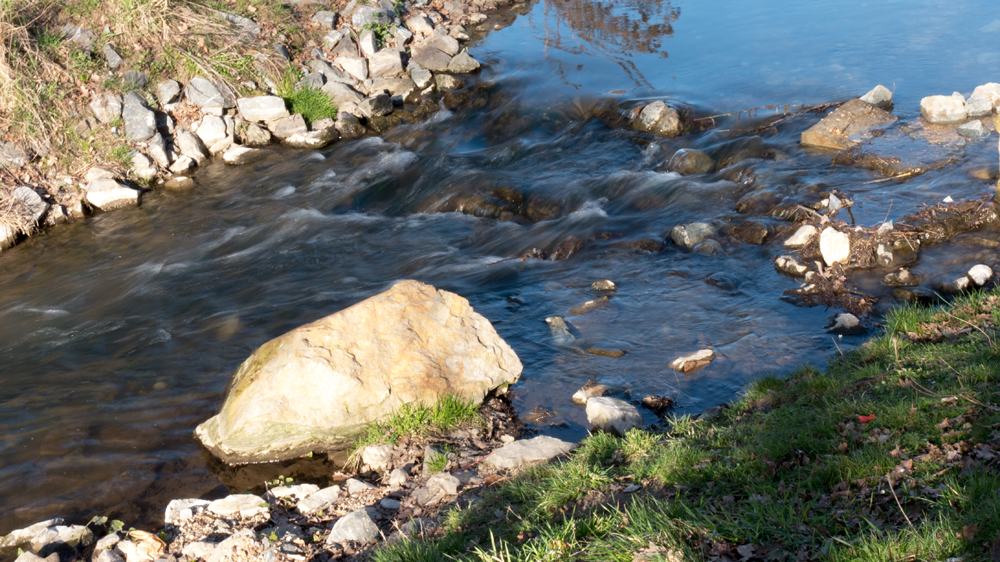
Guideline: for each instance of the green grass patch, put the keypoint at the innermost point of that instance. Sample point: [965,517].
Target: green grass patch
[410,420]
[890,454]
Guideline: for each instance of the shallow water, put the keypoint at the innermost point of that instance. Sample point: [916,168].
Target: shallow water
[119,334]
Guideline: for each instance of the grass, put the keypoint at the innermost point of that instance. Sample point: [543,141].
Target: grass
[311,103]
[449,413]
[795,469]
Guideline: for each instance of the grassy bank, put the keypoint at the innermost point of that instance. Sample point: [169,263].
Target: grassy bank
[888,455]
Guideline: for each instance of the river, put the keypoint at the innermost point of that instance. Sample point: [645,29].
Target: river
[118,334]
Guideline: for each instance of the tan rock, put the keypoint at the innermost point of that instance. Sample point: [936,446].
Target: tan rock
[316,387]
[693,361]
[847,125]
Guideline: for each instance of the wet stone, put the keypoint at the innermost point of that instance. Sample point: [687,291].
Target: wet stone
[376,106]
[973,130]
[688,235]
[605,285]
[845,324]
[660,119]
[847,125]
[790,265]
[901,278]
[916,295]
[589,390]
[750,231]
[690,161]
[696,360]
[448,82]
[943,109]
[463,63]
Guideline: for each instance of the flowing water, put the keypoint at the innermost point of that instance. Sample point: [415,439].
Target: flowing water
[118,334]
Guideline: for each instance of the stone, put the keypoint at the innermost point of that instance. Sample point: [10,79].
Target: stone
[901,278]
[312,139]
[32,557]
[296,492]
[606,285]
[318,500]
[977,107]
[326,19]
[230,549]
[973,130]
[612,415]
[364,15]
[528,451]
[135,79]
[20,538]
[943,109]
[402,35]
[191,145]
[588,391]
[445,82]
[183,165]
[311,81]
[256,136]
[847,125]
[82,37]
[107,541]
[140,121]
[420,24]
[262,108]
[237,155]
[108,556]
[980,275]
[355,526]
[8,237]
[167,92]
[690,362]
[560,331]
[244,505]
[346,47]
[107,194]
[179,183]
[389,504]
[386,62]
[802,236]
[834,246]
[690,161]
[342,93]
[419,527]
[211,130]
[366,42]
[96,172]
[31,202]
[114,59]
[246,25]
[156,147]
[348,125]
[660,119]
[845,324]
[463,63]
[444,482]
[429,57]
[316,387]
[879,96]
[12,156]
[86,127]
[421,77]
[333,38]
[222,145]
[205,94]
[688,235]
[179,511]
[883,254]
[397,477]
[329,72]
[957,286]
[355,486]
[790,265]
[199,550]
[990,91]
[71,536]
[377,457]
[376,106]
[459,32]
[354,66]
[288,126]
[282,51]
[447,45]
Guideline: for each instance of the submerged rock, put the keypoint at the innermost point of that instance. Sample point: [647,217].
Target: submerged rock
[605,285]
[688,363]
[689,235]
[589,390]
[560,331]
[847,125]
[901,278]
[973,130]
[317,386]
[690,161]
[660,119]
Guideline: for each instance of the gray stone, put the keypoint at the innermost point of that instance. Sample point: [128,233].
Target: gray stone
[389,504]
[140,121]
[690,161]
[446,82]
[298,491]
[980,275]
[459,32]
[183,165]
[108,556]
[981,106]
[355,526]
[901,278]
[419,527]
[444,482]
[333,38]
[288,126]
[613,415]
[845,324]
[355,486]
[834,246]
[311,81]
[402,35]
[342,93]
[199,550]
[990,91]
[429,57]
[319,500]
[30,201]
[366,42]
[364,15]
[205,94]
[282,51]
[179,183]
[377,457]
[107,541]
[528,451]
[397,477]
[879,96]
[847,125]
[156,147]
[348,125]
[463,63]
[240,155]
[190,145]
[96,172]
[660,119]
[262,108]
[355,66]
[326,19]
[244,505]
[447,45]
[80,36]
[228,550]
[245,25]
[421,77]
[71,536]
[178,511]
[107,194]
[32,557]
[386,62]
[114,59]
[420,24]
[689,235]
[973,130]
[135,79]
[790,265]
[376,106]
[330,73]
[605,285]
[943,109]
[12,156]
[256,136]
[106,107]
[21,538]
[212,129]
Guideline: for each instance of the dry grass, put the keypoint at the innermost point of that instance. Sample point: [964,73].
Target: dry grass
[13,213]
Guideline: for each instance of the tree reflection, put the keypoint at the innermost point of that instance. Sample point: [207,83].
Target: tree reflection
[612,26]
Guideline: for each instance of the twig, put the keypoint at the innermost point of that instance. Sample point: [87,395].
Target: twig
[838,346]
[891,489]
[973,326]
[887,212]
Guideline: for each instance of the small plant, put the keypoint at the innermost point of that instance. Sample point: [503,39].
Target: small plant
[381,31]
[437,463]
[312,104]
[281,480]
[122,154]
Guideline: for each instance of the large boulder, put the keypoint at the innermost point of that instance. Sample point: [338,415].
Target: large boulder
[316,387]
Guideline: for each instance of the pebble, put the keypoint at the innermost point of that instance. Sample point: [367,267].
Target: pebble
[605,285]
[845,324]
[688,363]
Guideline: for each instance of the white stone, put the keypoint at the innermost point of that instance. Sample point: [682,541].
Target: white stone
[211,130]
[980,274]
[397,477]
[31,202]
[421,25]
[355,526]
[801,237]
[262,108]
[845,324]
[978,107]
[943,109]
[179,511]
[990,91]
[96,172]
[580,397]
[884,255]
[107,194]
[199,550]
[298,491]
[790,265]
[183,165]
[191,145]
[613,415]
[366,42]
[421,77]
[444,482]
[23,537]
[377,457]
[143,166]
[386,62]
[355,66]
[884,228]
[834,246]
[692,361]
[72,535]
[319,500]
[312,139]
[528,451]
[355,486]
[688,235]
[879,96]
[237,155]
[244,505]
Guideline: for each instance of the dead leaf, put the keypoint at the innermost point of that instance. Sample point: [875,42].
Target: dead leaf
[746,551]
[969,531]
[143,547]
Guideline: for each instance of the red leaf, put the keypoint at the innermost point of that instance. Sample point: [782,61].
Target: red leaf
[866,419]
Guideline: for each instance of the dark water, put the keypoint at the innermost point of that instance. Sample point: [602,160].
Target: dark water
[119,334]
